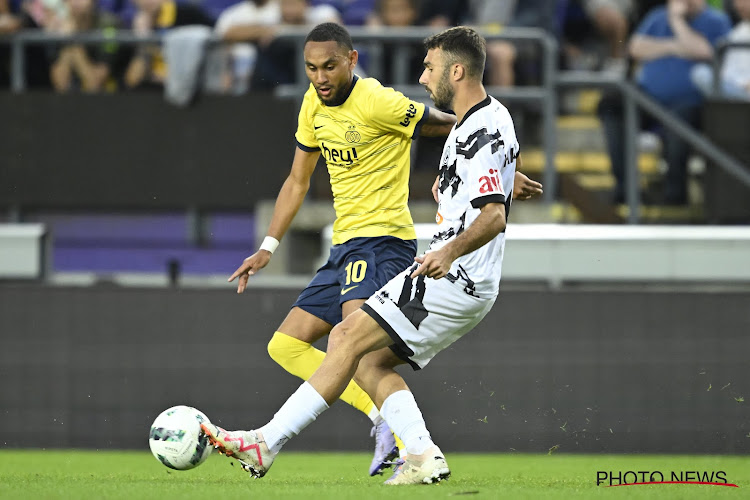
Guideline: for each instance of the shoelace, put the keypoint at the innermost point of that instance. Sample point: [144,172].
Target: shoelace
[398,465]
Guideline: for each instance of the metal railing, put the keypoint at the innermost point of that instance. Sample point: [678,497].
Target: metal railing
[25,38]
[635,100]
[544,94]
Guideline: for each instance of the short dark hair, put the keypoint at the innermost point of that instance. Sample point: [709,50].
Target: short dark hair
[461,44]
[330,32]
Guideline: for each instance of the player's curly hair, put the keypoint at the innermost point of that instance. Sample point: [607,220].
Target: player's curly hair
[330,32]
[463,45]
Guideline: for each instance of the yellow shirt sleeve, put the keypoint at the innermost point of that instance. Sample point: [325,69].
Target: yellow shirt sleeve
[305,135]
[392,111]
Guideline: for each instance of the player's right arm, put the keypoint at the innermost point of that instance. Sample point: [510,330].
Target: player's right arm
[288,201]
[489,223]
[437,123]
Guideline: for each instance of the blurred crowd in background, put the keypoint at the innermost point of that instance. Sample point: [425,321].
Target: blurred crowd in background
[593,35]
[669,47]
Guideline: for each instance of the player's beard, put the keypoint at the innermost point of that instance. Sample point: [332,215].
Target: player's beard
[444,93]
[337,97]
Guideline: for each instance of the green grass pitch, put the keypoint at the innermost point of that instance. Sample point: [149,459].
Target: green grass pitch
[137,475]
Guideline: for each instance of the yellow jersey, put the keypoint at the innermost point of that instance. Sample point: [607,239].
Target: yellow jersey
[366,142]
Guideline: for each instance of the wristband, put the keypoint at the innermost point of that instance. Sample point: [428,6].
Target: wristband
[269,244]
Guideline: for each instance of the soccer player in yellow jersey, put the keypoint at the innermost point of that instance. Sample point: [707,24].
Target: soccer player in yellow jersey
[364,131]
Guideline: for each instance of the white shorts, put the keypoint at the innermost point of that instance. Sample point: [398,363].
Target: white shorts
[423,316]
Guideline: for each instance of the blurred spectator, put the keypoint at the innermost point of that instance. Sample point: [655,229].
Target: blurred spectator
[124,10]
[147,68]
[444,13]
[9,22]
[352,12]
[31,14]
[249,23]
[734,80]
[397,14]
[509,62]
[277,60]
[668,43]
[545,14]
[250,20]
[302,12]
[45,14]
[501,54]
[257,60]
[643,7]
[394,13]
[611,18]
[85,67]
[215,8]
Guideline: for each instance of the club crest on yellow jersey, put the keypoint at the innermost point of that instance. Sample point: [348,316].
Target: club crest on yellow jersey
[352,135]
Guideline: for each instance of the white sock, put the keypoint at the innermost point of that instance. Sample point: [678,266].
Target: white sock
[375,416]
[401,412]
[299,411]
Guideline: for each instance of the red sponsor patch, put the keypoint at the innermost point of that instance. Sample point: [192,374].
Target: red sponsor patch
[490,183]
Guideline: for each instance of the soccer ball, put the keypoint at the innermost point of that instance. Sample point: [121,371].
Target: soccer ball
[176,439]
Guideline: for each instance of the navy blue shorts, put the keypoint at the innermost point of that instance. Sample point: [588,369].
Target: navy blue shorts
[355,270]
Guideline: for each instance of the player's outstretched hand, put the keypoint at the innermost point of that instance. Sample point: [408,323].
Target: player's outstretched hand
[524,188]
[435,186]
[250,266]
[433,265]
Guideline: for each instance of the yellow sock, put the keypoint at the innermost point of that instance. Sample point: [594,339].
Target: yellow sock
[301,360]
[400,444]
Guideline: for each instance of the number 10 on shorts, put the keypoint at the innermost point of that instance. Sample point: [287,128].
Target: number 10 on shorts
[355,271]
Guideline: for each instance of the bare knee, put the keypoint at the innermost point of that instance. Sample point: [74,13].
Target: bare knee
[342,341]
[357,335]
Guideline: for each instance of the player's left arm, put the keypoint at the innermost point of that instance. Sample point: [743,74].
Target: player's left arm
[489,223]
[437,123]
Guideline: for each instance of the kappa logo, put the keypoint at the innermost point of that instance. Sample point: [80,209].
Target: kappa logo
[490,183]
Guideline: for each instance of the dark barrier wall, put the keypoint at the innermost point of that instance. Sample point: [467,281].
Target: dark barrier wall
[727,123]
[137,151]
[585,371]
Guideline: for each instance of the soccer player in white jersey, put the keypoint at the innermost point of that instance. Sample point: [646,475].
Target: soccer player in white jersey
[434,302]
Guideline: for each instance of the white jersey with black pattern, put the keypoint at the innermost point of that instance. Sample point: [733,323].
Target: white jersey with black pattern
[478,166]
